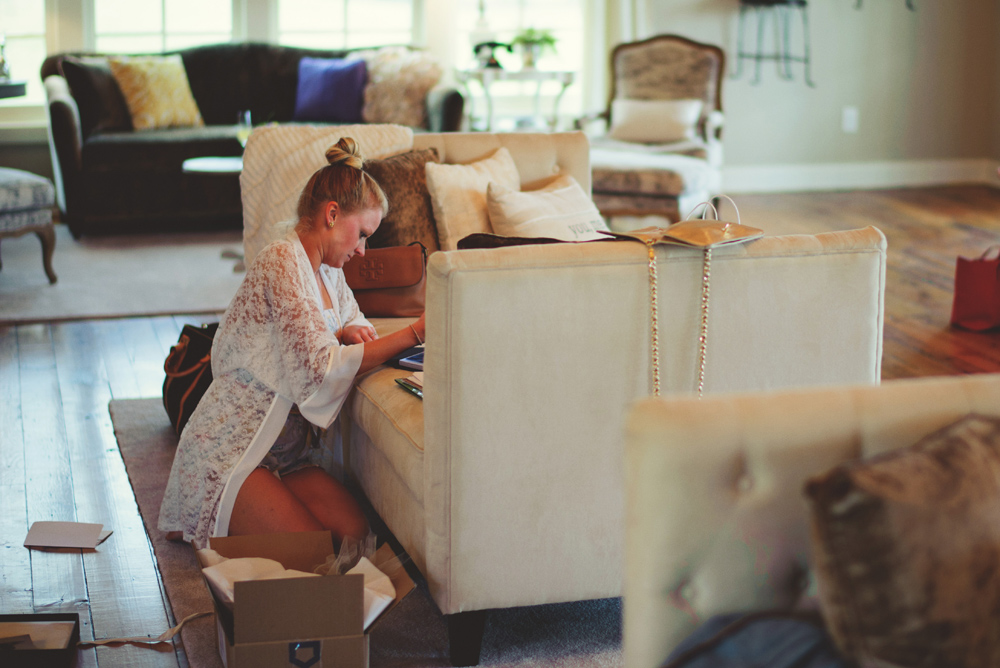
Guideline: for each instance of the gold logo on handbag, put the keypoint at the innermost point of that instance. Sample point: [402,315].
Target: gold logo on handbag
[695,233]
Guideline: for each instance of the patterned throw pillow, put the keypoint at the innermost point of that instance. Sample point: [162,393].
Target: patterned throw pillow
[458,194]
[398,82]
[560,210]
[157,92]
[907,550]
[403,178]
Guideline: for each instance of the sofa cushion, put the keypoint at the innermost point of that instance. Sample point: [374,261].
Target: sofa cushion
[403,177]
[156,90]
[398,82]
[458,194]
[560,210]
[98,97]
[330,90]
[394,421]
[158,150]
[907,550]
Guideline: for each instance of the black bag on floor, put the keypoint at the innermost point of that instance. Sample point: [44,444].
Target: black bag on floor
[189,373]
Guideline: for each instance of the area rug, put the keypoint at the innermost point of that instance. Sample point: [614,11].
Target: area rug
[585,634]
[119,276]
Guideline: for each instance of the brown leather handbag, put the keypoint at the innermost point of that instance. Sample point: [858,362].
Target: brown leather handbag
[188,371]
[389,282]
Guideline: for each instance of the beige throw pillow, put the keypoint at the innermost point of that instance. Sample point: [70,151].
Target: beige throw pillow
[654,121]
[561,210]
[458,194]
[157,91]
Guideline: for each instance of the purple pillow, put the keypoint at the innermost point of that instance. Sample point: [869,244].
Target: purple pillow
[330,90]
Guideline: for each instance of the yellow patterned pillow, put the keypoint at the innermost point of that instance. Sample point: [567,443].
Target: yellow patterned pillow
[157,92]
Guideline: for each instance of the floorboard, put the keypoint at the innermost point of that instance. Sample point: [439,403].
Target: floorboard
[59,459]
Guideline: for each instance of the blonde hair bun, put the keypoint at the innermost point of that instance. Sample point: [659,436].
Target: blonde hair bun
[345,151]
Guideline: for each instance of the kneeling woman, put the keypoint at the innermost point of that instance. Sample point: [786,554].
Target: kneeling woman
[284,358]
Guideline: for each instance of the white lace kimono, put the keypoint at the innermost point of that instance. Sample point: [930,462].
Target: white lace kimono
[273,349]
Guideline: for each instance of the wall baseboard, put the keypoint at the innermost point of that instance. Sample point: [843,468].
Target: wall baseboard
[858,175]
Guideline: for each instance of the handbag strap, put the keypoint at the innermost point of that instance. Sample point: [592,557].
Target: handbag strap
[706,291]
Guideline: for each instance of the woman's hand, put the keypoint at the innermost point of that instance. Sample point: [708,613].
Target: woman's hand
[357,334]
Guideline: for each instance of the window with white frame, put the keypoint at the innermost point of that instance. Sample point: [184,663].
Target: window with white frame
[345,24]
[505,18]
[22,28]
[149,26]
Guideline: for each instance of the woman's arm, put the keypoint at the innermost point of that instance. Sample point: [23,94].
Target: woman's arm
[382,349]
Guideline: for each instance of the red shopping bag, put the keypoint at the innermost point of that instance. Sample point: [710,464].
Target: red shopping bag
[977,291]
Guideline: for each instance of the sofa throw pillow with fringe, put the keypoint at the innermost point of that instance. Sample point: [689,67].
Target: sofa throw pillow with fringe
[458,194]
[907,550]
[560,210]
[157,91]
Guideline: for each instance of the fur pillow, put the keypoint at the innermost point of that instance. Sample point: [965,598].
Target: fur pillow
[458,194]
[157,91]
[403,177]
[398,82]
[907,550]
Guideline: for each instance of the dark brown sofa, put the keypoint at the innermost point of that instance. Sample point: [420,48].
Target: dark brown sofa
[125,181]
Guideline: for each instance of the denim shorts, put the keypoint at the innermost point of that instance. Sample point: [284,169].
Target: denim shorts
[293,449]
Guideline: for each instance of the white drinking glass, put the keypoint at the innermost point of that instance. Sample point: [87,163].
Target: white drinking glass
[243,127]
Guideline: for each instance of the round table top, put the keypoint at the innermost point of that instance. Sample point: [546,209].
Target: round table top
[214,165]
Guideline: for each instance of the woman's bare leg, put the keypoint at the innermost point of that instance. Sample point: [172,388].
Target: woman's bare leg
[266,504]
[329,502]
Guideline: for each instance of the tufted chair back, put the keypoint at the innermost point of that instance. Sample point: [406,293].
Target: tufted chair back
[716,519]
[668,67]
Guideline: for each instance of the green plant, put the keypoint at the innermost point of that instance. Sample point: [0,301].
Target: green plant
[543,39]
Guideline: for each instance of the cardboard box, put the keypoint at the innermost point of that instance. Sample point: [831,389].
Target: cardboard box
[300,622]
[62,651]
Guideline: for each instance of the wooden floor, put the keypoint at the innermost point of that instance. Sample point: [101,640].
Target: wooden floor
[59,459]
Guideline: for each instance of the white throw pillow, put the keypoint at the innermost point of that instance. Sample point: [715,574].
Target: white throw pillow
[458,194]
[654,121]
[561,210]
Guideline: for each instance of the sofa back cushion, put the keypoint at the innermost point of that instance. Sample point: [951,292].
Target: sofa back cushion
[261,78]
[98,97]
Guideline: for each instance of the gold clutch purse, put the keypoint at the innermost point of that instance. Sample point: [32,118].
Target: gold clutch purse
[695,233]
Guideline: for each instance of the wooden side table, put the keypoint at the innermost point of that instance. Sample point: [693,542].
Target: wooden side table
[487,76]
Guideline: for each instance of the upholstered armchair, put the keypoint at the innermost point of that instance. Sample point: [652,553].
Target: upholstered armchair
[716,515]
[660,151]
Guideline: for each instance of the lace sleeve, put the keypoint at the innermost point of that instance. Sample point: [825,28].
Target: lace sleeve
[275,329]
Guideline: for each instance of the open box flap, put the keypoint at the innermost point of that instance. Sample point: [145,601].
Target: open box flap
[276,610]
[386,561]
[300,551]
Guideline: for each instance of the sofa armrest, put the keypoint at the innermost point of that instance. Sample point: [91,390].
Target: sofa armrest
[535,353]
[65,144]
[445,106]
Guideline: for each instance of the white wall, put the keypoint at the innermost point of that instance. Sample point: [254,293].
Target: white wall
[925,85]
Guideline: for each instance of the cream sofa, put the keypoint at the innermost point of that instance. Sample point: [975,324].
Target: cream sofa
[716,518]
[505,485]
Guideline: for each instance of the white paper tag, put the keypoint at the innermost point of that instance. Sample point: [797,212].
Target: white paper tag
[66,534]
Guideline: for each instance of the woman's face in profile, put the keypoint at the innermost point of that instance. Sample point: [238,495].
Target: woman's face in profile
[348,235]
